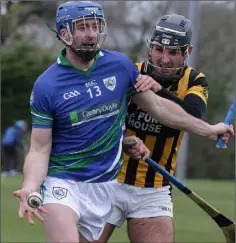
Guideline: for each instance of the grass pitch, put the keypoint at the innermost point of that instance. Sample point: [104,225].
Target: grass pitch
[191,223]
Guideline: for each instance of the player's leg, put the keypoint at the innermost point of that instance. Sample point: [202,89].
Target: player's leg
[97,204]
[6,150]
[4,161]
[156,230]
[61,223]
[150,218]
[106,234]
[121,198]
[14,162]
[82,239]
[63,212]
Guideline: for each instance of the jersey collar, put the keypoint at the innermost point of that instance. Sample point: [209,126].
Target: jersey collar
[61,60]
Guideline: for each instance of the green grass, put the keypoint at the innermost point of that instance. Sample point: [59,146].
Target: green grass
[191,223]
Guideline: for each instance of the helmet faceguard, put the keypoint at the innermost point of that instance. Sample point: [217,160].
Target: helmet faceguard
[69,14]
[172,33]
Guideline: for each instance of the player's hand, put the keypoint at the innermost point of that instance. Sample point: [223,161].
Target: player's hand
[139,150]
[221,129]
[226,136]
[144,82]
[26,209]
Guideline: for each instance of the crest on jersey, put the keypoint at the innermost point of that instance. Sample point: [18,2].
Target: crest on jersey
[59,192]
[110,83]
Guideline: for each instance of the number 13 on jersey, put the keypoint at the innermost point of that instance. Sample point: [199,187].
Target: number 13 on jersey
[94,91]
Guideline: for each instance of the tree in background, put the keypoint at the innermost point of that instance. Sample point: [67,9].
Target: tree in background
[23,13]
[20,66]
[23,59]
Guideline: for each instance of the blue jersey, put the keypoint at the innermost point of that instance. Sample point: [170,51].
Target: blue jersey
[86,111]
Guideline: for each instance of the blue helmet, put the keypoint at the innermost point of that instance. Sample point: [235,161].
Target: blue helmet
[70,12]
[73,10]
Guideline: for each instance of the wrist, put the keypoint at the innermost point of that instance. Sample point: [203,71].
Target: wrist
[29,187]
[210,131]
[206,129]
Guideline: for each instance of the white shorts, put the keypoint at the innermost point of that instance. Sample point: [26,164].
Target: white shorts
[138,202]
[92,202]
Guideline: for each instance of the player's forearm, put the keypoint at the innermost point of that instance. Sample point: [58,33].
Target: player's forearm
[35,170]
[170,114]
[174,116]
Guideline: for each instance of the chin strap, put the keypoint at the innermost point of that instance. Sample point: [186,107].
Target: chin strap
[85,55]
[163,80]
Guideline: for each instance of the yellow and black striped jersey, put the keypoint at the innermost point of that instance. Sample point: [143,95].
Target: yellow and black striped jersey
[162,141]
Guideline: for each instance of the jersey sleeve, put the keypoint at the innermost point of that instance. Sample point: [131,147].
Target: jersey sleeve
[197,96]
[199,87]
[133,73]
[41,105]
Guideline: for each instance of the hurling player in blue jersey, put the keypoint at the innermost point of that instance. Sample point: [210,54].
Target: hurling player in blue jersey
[78,107]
